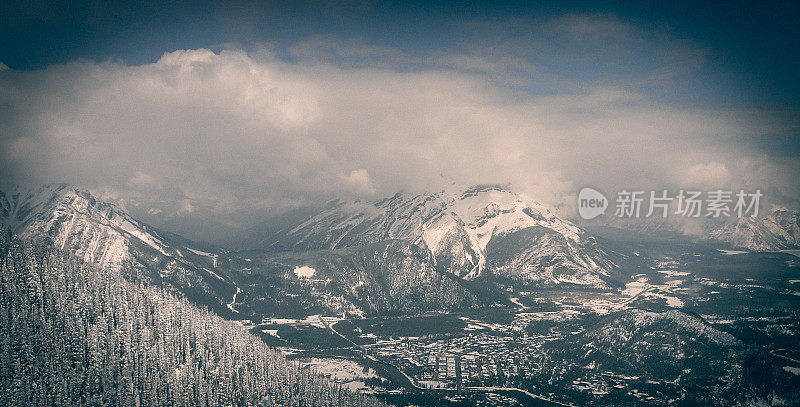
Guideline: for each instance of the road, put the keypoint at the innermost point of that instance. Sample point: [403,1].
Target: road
[516,390]
[230,304]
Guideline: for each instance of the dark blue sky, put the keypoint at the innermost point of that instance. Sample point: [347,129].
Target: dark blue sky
[752,47]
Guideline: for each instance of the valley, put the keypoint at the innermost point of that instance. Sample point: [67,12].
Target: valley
[549,343]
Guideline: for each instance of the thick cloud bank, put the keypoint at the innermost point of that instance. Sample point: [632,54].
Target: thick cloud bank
[208,135]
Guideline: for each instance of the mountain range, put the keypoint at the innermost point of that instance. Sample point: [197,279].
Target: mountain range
[471,254]
[466,232]
[367,257]
[771,230]
[451,249]
[102,234]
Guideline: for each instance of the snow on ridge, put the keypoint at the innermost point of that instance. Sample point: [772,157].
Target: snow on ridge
[483,213]
[24,202]
[509,212]
[199,252]
[454,224]
[127,225]
[102,229]
[642,318]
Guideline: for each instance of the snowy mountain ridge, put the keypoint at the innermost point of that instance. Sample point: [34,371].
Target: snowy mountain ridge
[100,233]
[62,214]
[774,230]
[777,230]
[461,229]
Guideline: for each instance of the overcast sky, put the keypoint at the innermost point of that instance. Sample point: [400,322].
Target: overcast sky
[207,118]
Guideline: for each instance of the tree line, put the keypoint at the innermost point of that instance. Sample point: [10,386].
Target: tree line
[75,335]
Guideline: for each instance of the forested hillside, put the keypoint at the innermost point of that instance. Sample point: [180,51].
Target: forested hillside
[72,334]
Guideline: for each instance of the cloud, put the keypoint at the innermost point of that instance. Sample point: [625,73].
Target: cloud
[347,52]
[141,180]
[594,28]
[360,182]
[218,138]
[706,175]
[575,50]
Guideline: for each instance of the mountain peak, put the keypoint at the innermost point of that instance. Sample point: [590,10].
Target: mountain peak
[104,235]
[459,227]
[19,203]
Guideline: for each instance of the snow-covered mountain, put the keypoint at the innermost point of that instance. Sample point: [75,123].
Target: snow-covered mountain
[408,253]
[72,219]
[386,278]
[466,232]
[392,276]
[681,350]
[774,231]
[102,234]
[769,231]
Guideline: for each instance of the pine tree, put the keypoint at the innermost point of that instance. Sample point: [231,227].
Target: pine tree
[71,334]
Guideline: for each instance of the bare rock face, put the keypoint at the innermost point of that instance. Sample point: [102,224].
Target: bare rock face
[102,234]
[465,232]
[405,254]
[778,230]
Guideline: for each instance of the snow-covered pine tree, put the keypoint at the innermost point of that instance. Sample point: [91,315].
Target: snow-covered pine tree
[72,334]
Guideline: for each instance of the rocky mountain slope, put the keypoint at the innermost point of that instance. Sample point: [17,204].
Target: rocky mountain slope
[466,232]
[663,356]
[405,254]
[777,230]
[384,278]
[390,276]
[100,233]
[769,231]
